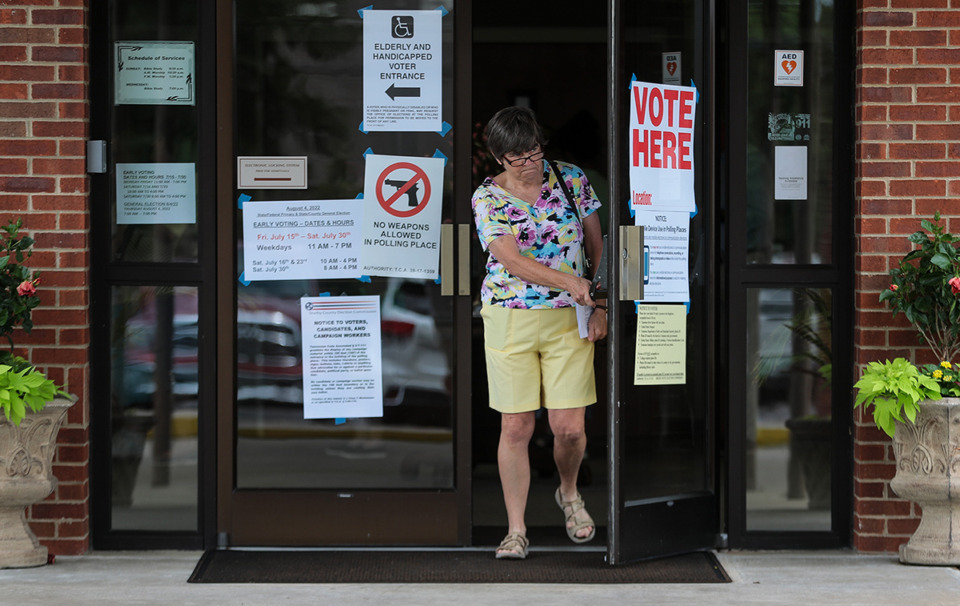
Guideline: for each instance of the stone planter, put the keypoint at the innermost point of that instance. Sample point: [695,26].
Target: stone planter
[26,458]
[928,473]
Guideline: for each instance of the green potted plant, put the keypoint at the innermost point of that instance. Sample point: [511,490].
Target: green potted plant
[33,409]
[907,400]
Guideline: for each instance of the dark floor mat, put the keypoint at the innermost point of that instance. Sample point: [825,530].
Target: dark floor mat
[438,566]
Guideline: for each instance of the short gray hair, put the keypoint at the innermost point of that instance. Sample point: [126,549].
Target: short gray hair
[514,130]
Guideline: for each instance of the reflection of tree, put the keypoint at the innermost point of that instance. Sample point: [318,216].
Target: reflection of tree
[292,94]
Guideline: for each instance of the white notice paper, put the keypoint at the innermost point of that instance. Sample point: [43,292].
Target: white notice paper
[342,372]
[402,70]
[402,199]
[156,194]
[666,234]
[301,240]
[790,172]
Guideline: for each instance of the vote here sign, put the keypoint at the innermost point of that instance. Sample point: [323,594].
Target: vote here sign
[662,119]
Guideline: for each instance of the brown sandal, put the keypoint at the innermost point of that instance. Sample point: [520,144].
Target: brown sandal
[576,506]
[513,547]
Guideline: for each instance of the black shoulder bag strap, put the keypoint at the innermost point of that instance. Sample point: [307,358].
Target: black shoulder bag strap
[601,269]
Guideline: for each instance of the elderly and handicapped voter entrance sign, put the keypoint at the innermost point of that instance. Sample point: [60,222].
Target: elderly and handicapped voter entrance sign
[402,70]
[403,199]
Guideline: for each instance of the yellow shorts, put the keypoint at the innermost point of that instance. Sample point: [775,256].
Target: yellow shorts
[535,357]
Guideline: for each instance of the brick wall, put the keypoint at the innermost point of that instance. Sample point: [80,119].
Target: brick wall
[908,167]
[43,127]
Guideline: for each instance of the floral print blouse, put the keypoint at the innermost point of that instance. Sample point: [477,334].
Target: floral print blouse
[547,231]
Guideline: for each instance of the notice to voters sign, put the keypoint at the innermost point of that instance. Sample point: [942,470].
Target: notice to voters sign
[662,121]
[402,70]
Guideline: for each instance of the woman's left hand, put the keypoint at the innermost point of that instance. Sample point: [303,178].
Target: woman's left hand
[597,326]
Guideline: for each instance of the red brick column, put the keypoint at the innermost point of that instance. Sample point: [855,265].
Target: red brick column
[44,113]
[908,167]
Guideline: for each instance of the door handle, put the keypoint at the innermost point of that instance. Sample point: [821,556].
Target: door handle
[631,262]
[463,257]
[446,260]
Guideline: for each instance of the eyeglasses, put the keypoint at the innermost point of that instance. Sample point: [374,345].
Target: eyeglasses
[521,161]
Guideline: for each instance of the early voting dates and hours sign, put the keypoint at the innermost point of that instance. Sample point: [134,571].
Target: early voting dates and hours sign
[301,240]
[402,71]
[402,198]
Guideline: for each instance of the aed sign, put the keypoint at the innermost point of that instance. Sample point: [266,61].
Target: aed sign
[788,68]
[662,120]
[672,63]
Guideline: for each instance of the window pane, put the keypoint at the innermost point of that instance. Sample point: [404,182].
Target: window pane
[789,427]
[154,353]
[790,133]
[154,134]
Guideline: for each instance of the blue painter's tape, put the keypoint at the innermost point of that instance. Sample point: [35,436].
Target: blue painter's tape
[339,421]
[359,196]
[365,279]
[439,154]
[438,281]
[696,90]
[362,129]
[443,11]
[241,199]
[243,279]
[687,303]
[368,152]
[366,8]
[445,128]
[693,213]
[324,294]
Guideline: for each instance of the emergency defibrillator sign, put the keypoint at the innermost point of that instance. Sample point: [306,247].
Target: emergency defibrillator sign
[662,120]
[788,68]
[402,70]
[401,219]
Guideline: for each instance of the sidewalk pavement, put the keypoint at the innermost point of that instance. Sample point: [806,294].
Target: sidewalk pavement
[770,578]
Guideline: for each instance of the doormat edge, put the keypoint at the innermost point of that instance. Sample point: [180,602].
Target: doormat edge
[581,567]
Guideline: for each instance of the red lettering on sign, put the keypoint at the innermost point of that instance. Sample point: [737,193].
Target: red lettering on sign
[687,107]
[685,161]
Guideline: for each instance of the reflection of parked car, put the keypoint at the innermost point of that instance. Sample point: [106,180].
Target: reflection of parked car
[140,355]
[414,361]
[268,357]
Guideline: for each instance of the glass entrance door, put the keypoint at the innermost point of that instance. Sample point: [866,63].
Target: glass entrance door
[298,99]
[663,498]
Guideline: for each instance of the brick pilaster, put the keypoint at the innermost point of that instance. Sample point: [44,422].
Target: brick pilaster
[908,167]
[44,113]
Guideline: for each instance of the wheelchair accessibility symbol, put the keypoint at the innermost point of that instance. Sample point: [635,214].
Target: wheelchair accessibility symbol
[401,26]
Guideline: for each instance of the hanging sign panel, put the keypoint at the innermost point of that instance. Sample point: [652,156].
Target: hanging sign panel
[154,73]
[402,197]
[662,120]
[156,193]
[402,70]
[302,240]
[342,373]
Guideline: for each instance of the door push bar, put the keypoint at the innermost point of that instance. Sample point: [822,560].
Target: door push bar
[633,263]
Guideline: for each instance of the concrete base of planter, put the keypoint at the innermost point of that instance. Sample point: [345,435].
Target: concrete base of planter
[928,473]
[26,457]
